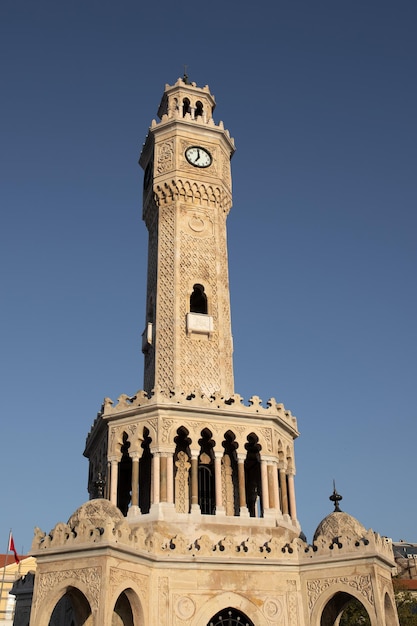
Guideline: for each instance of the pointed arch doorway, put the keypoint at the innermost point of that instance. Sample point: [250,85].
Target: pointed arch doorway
[230,617]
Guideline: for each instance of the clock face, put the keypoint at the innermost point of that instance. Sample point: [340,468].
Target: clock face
[197,156]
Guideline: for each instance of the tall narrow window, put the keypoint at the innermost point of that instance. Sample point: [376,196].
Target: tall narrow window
[198,109]
[206,484]
[186,107]
[253,477]
[125,477]
[198,300]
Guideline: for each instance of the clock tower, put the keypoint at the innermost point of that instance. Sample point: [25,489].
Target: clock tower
[187,196]
[192,516]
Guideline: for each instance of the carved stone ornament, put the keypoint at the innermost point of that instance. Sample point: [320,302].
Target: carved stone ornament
[272,609]
[361,584]
[184,607]
[89,576]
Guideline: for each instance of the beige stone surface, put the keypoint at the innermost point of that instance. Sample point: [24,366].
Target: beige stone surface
[199,512]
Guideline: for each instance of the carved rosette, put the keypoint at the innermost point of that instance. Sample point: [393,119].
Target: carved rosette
[272,609]
[184,607]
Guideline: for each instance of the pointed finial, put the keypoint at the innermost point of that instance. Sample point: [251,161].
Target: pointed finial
[335,498]
[185,77]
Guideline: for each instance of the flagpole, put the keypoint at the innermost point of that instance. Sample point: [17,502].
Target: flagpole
[4,568]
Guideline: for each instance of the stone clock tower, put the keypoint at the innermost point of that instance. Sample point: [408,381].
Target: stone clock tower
[192,516]
[187,196]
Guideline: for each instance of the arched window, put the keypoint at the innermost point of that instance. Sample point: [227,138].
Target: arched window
[230,617]
[124,482]
[145,472]
[230,475]
[198,300]
[253,477]
[206,488]
[198,109]
[186,107]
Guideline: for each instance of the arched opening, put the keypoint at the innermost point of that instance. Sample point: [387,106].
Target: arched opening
[198,300]
[391,617]
[206,478]
[230,617]
[343,609]
[145,473]
[186,107]
[230,477]
[73,609]
[182,465]
[198,109]
[124,483]
[122,612]
[253,482]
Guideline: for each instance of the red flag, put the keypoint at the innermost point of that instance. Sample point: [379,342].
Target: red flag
[11,548]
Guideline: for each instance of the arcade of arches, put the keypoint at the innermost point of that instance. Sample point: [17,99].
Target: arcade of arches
[231,480]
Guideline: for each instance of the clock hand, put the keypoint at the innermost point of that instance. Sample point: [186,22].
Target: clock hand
[198,152]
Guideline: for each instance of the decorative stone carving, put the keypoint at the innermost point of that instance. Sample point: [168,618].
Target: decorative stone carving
[165,157]
[272,609]
[89,576]
[184,607]
[182,496]
[227,485]
[361,584]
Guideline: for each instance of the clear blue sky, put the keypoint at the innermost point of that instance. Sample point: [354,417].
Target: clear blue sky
[321,99]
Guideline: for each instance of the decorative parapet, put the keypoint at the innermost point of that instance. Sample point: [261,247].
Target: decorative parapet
[157,540]
[234,405]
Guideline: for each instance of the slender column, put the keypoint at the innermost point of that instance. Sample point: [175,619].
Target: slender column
[241,476]
[291,496]
[170,479]
[194,478]
[108,481]
[264,481]
[275,486]
[163,478]
[113,481]
[283,487]
[156,466]
[218,479]
[135,478]
[271,490]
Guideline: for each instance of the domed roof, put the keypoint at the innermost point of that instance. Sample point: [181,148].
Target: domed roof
[97,512]
[339,523]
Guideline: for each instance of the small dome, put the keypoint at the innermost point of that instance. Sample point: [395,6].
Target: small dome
[97,512]
[339,523]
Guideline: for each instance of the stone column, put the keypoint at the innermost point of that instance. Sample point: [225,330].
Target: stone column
[135,478]
[271,490]
[113,480]
[264,482]
[194,479]
[156,479]
[163,477]
[283,488]
[134,509]
[218,482]
[291,497]
[275,486]
[170,479]
[244,512]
